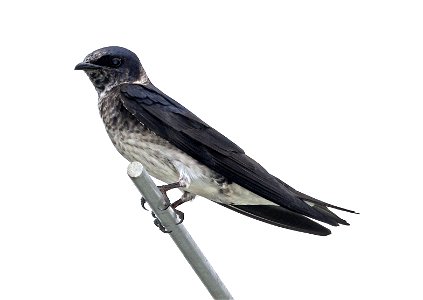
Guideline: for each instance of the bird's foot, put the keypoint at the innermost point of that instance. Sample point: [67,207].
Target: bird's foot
[186,196]
[159,224]
[181,216]
[143,201]
[161,227]
[164,188]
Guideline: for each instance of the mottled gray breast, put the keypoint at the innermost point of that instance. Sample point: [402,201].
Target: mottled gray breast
[138,143]
[132,138]
[117,118]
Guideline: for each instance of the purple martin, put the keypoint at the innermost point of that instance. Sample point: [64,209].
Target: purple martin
[178,148]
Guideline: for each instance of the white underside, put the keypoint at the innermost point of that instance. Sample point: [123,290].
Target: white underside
[174,166]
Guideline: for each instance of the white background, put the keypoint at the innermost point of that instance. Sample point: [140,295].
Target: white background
[325,95]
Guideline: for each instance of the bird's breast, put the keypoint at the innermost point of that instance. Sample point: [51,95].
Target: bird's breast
[136,142]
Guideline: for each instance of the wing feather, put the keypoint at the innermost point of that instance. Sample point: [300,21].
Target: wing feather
[170,120]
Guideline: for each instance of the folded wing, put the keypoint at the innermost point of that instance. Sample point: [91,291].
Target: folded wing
[170,120]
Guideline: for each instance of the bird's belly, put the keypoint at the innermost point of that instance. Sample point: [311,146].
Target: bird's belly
[167,163]
[148,149]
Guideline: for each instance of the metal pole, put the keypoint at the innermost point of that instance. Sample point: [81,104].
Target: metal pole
[179,234]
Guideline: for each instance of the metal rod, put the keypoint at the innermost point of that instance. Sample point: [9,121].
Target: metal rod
[179,234]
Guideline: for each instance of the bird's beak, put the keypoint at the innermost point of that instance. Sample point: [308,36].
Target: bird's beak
[86,66]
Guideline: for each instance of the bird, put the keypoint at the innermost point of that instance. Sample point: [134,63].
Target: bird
[178,148]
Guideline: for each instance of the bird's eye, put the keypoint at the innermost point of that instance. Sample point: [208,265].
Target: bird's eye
[116,62]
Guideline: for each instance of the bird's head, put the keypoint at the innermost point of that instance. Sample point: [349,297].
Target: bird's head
[110,66]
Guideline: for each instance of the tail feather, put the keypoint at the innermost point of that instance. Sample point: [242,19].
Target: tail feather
[279,216]
[282,217]
[318,203]
[324,210]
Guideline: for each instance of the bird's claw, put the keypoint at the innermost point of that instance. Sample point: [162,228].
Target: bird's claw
[161,227]
[163,189]
[143,201]
[181,216]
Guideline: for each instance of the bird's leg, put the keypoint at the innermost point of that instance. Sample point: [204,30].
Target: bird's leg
[186,196]
[170,186]
[164,188]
